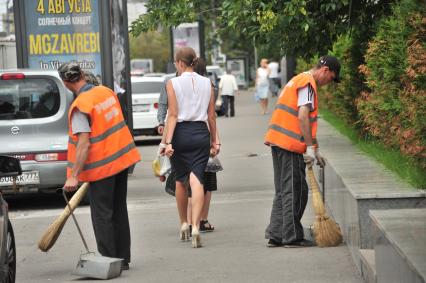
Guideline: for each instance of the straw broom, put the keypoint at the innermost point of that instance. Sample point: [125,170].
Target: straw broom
[51,235]
[326,231]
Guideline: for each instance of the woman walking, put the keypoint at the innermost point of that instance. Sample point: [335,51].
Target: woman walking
[188,140]
[262,85]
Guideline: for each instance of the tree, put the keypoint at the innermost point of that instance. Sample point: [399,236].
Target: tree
[297,27]
[154,45]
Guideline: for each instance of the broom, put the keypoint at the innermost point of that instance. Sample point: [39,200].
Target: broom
[326,231]
[51,235]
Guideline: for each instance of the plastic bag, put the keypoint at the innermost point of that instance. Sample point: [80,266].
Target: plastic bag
[161,164]
[213,165]
[219,101]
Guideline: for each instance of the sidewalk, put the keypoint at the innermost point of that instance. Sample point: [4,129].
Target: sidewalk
[235,252]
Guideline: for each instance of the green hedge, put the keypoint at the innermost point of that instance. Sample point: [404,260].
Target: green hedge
[393,108]
[383,88]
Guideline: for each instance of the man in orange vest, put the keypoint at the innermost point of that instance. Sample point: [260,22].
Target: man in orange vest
[100,150]
[292,137]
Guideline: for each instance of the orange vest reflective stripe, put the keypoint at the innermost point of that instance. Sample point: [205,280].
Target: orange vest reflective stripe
[112,148]
[284,130]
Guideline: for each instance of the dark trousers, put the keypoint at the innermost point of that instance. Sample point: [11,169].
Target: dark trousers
[110,221]
[291,196]
[228,100]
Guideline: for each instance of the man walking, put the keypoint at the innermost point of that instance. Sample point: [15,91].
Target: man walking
[274,78]
[228,86]
[100,149]
[291,135]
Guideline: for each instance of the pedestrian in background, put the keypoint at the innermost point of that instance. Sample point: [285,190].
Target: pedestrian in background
[292,137]
[274,78]
[210,177]
[188,140]
[262,85]
[90,78]
[100,150]
[227,87]
[162,107]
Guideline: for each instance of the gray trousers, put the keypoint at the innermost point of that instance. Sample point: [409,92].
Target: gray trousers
[291,196]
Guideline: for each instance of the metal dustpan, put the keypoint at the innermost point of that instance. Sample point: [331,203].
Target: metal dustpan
[92,265]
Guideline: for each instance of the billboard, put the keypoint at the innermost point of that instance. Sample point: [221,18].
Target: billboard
[60,31]
[187,34]
[237,66]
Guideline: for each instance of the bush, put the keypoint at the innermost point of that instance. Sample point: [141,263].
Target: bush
[393,107]
[339,98]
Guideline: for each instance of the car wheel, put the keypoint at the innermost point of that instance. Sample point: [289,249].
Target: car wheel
[10,255]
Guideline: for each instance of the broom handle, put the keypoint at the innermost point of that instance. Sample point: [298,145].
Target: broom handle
[323,183]
[75,221]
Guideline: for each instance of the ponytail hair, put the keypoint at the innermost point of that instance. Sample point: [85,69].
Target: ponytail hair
[194,61]
[186,55]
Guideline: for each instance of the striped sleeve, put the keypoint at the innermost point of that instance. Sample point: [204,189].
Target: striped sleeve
[306,96]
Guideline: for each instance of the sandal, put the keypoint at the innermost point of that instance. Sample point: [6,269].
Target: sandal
[205,226]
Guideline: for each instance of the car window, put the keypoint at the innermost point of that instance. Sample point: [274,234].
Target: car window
[147,87]
[28,98]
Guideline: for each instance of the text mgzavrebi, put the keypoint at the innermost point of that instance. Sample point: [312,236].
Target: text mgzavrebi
[65,43]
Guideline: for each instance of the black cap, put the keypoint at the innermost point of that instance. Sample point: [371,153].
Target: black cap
[333,64]
[70,72]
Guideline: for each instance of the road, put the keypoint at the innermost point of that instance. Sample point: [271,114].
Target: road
[235,252]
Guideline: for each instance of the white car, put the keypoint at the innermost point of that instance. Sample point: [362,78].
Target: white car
[145,95]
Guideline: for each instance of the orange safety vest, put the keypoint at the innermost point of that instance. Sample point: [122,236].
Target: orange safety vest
[112,148]
[284,130]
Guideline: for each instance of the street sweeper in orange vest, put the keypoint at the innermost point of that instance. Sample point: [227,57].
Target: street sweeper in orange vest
[100,151]
[292,138]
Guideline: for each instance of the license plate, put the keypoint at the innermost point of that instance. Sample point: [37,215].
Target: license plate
[141,108]
[27,178]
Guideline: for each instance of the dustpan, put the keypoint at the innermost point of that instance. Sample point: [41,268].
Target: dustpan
[92,265]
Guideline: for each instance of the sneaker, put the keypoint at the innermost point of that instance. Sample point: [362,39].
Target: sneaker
[299,244]
[273,244]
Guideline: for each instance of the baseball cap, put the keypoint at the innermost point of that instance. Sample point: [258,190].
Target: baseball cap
[70,72]
[333,64]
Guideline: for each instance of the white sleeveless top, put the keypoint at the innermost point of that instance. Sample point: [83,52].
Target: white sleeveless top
[193,96]
[262,75]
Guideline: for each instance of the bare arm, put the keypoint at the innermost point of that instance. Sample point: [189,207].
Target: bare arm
[82,152]
[304,124]
[171,118]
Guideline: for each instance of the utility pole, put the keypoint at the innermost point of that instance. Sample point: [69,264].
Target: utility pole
[7,18]
[255,53]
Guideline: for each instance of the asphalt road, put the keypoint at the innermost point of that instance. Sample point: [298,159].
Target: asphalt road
[235,252]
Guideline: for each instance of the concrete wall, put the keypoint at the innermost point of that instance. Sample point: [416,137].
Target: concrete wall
[355,184]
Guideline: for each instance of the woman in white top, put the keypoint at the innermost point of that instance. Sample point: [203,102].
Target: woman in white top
[188,139]
[262,85]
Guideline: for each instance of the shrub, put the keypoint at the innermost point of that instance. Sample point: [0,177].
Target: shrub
[339,98]
[393,107]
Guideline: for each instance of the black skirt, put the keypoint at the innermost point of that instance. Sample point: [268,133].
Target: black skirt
[191,144]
